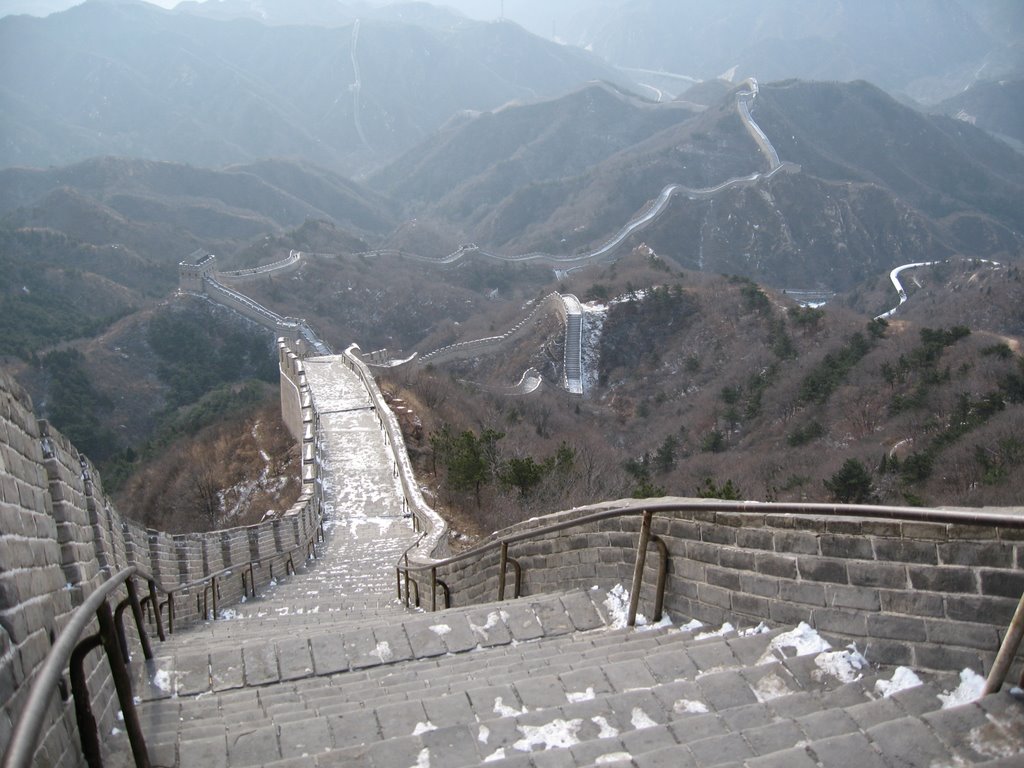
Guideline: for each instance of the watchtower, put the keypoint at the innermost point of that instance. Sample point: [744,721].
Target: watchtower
[192,271]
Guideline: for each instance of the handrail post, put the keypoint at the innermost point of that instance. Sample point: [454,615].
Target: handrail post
[154,600]
[433,589]
[407,580]
[518,591]
[88,734]
[140,623]
[502,564]
[1007,650]
[122,638]
[213,589]
[123,685]
[659,591]
[638,568]
[398,576]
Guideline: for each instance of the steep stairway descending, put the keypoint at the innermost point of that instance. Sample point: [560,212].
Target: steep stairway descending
[353,578]
[573,345]
[549,681]
[327,668]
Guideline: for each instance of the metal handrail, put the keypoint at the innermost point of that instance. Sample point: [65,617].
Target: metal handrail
[25,736]
[910,514]
[209,580]
[1012,640]
[29,725]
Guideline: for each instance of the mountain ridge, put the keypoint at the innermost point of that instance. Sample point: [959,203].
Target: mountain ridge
[134,79]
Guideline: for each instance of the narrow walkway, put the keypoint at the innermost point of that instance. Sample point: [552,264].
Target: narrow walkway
[366,531]
[366,528]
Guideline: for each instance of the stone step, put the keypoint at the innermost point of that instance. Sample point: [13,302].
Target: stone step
[667,696]
[192,667]
[627,726]
[593,690]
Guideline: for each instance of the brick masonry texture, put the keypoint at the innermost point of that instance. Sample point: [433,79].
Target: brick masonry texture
[60,537]
[926,595]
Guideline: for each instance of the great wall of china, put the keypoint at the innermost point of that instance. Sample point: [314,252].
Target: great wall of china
[278,658]
[930,589]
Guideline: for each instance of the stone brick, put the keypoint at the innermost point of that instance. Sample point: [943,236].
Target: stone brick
[842,622]
[759,585]
[980,610]
[819,569]
[1002,583]
[859,598]
[758,607]
[801,592]
[738,519]
[978,636]
[927,656]
[714,596]
[794,543]
[888,528]
[622,540]
[847,546]
[680,588]
[913,603]
[777,565]
[847,526]
[942,579]
[718,534]
[889,575]
[888,652]
[737,559]
[990,554]
[896,627]
[723,578]
[684,529]
[905,551]
[789,613]
[755,538]
[921,530]
[707,553]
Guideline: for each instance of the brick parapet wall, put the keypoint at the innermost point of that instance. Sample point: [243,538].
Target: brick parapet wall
[34,604]
[60,537]
[931,596]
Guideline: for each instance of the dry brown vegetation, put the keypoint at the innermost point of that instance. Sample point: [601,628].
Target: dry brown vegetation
[233,473]
[746,388]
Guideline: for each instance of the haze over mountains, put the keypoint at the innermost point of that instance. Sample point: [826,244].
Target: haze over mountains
[418,152]
[132,79]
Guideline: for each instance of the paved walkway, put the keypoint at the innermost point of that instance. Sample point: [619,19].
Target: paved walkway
[364,522]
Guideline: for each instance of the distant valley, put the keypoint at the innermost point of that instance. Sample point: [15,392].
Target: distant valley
[440,177]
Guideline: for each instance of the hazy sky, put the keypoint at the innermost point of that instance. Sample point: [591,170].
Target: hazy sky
[541,16]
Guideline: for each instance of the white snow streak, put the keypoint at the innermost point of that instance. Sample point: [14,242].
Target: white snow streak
[558,734]
[902,679]
[970,688]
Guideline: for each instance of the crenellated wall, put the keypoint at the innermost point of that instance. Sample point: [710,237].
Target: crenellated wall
[550,304]
[434,543]
[61,537]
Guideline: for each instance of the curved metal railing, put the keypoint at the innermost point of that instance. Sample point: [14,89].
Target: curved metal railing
[68,647]
[647,509]
[70,652]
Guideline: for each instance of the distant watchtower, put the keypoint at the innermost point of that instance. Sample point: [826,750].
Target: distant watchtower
[192,271]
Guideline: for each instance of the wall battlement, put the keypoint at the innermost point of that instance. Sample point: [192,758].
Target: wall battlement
[61,537]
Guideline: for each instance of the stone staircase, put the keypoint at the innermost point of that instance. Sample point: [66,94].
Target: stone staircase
[573,345]
[328,668]
[541,682]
